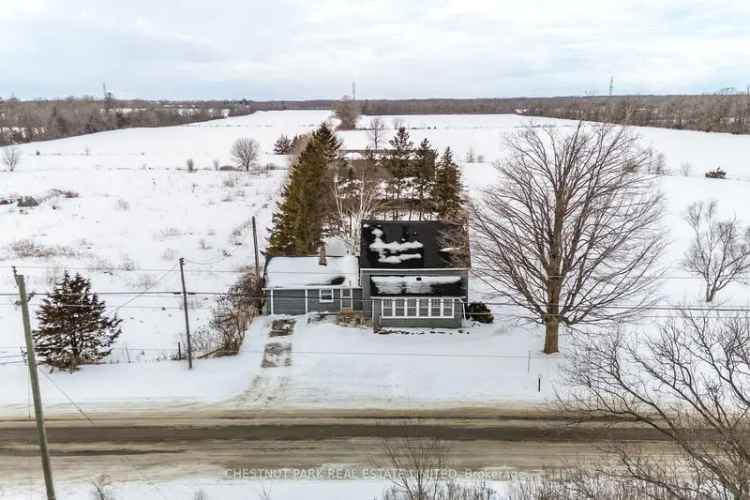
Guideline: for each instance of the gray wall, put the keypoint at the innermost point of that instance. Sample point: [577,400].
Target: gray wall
[291,301]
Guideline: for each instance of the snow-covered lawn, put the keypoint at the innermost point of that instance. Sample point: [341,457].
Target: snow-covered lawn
[331,367]
[138,211]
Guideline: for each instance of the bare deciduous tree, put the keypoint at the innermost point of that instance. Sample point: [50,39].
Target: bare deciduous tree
[11,157]
[245,152]
[691,383]
[232,314]
[416,460]
[356,195]
[567,233]
[376,133]
[720,250]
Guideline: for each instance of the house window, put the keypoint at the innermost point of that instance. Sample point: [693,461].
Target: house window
[448,305]
[424,308]
[325,295]
[418,308]
[411,308]
[435,307]
[399,306]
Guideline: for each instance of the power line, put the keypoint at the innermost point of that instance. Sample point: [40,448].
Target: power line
[240,271]
[642,307]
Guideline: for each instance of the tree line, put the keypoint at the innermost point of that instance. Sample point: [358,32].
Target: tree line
[328,195]
[27,121]
[726,111]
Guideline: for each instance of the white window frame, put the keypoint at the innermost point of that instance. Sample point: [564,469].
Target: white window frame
[326,301]
[347,298]
[445,310]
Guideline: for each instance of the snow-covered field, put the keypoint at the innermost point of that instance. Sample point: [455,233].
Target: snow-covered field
[138,211]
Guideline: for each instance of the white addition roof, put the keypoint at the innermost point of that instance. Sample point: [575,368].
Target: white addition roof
[300,272]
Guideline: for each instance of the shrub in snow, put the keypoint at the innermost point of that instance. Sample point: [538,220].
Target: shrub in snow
[190,164]
[27,202]
[127,264]
[73,326]
[685,169]
[30,249]
[123,205]
[102,489]
[718,173]
[479,312]
[169,254]
[233,313]
[11,157]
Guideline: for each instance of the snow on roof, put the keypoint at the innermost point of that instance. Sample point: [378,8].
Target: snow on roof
[403,245]
[395,251]
[291,272]
[415,285]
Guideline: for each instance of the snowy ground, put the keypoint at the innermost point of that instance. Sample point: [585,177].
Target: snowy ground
[214,488]
[138,211]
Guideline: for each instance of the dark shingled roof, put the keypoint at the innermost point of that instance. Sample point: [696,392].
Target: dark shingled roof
[402,245]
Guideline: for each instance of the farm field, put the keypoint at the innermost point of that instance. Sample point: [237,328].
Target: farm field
[138,210]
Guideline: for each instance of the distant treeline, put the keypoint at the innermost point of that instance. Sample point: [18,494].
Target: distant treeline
[25,121]
[38,120]
[721,112]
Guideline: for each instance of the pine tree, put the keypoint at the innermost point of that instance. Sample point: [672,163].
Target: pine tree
[298,220]
[424,176]
[73,326]
[446,194]
[398,164]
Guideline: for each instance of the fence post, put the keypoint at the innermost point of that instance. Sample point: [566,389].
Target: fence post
[179,351]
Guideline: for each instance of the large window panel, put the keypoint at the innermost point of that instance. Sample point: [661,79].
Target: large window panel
[424,308]
[387,308]
[399,307]
[411,308]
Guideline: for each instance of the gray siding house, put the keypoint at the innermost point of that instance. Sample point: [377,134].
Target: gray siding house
[407,276]
[300,285]
[402,278]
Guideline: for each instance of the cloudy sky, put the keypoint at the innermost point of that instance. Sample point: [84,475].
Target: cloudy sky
[290,49]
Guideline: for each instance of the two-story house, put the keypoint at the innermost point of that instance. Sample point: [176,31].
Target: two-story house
[404,277]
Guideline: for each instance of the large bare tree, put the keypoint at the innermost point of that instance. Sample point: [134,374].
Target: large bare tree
[570,232]
[245,152]
[720,250]
[690,381]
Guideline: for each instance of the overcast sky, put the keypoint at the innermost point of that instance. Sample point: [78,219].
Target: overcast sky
[289,49]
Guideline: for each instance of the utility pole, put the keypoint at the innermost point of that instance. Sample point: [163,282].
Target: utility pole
[39,413]
[255,248]
[611,85]
[187,316]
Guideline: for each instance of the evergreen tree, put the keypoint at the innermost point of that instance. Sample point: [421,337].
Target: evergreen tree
[283,145]
[424,177]
[398,165]
[298,220]
[73,326]
[446,194]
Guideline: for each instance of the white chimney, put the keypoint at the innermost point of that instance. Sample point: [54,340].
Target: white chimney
[322,260]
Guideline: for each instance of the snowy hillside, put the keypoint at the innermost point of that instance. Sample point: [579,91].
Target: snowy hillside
[137,211]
